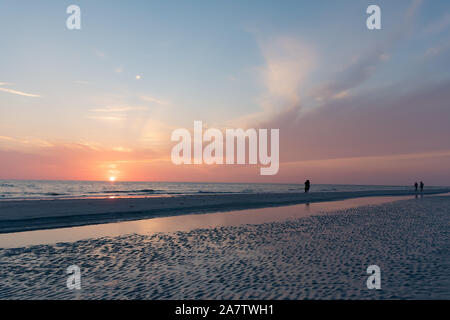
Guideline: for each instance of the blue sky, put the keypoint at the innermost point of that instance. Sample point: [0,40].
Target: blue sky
[192,52]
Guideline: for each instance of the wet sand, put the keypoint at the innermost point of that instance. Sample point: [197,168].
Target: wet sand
[45,214]
[185,222]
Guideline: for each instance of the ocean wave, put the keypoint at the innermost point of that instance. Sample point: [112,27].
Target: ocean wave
[7,185]
[124,191]
[39,193]
[222,192]
[201,191]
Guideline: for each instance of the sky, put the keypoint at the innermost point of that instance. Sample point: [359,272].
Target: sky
[353,105]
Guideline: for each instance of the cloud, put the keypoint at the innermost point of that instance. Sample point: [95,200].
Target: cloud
[341,95]
[288,61]
[403,169]
[154,100]
[364,65]
[20,93]
[432,52]
[383,122]
[114,113]
[437,50]
[119,109]
[122,149]
[108,118]
[82,82]
[12,142]
[7,138]
[99,53]
[403,156]
[438,26]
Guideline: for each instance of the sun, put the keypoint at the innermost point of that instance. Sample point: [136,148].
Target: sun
[112,179]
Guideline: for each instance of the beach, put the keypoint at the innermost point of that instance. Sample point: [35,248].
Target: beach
[225,150]
[317,257]
[22,215]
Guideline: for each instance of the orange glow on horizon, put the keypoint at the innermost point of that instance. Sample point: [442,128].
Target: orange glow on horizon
[112,179]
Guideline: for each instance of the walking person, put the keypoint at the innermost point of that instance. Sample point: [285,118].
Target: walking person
[307,186]
[416,185]
[421,186]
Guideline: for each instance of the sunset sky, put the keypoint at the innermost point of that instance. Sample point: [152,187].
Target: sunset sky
[353,105]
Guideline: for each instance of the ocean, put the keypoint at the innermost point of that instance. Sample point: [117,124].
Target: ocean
[34,189]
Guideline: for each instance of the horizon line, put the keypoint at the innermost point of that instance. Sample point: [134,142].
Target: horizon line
[214,182]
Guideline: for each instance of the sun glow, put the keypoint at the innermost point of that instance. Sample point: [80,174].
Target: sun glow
[112,179]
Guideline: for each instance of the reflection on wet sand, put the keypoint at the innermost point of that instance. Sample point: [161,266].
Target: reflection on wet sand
[185,222]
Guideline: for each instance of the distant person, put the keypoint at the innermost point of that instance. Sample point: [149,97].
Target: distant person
[416,185]
[307,185]
[421,186]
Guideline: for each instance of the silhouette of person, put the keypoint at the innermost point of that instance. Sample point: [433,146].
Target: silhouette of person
[307,185]
[421,186]
[416,186]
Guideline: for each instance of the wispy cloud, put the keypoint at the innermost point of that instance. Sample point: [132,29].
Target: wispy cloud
[108,118]
[122,149]
[114,113]
[99,53]
[288,62]
[29,142]
[7,138]
[436,50]
[437,26]
[432,52]
[154,100]
[402,156]
[364,66]
[20,93]
[82,82]
[120,109]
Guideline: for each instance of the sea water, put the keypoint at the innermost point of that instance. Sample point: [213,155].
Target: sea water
[34,189]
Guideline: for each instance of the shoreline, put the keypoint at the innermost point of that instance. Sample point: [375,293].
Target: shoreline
[17,216]
[190,222]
